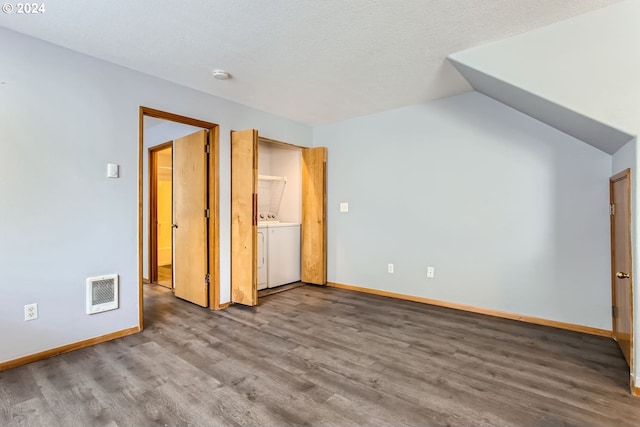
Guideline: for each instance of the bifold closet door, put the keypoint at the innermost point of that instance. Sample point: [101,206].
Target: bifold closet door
[314,227]
[244,205]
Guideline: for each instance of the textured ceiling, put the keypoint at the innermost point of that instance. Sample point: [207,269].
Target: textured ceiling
[313,61]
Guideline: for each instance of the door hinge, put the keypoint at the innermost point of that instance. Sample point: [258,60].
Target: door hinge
[206,148]
[206,213]
[614,312]
[612,209]
[206,278]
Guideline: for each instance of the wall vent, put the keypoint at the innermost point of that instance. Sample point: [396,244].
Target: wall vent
[102,293]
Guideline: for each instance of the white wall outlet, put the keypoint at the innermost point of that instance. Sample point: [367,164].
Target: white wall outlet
[344,207]
[431,272]
[389,268]
[31,311]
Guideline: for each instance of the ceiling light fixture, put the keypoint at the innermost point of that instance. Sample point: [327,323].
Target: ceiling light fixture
[221,75]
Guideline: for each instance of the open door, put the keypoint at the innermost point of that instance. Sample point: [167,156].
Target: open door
[313,249]
[190,218]
[622,288]
[244,175]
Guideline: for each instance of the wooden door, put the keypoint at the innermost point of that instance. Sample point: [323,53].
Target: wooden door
[622,287]
[313,262]
[244,175]
[190,222]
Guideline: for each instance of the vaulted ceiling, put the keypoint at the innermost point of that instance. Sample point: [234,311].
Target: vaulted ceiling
[581,75]
[313,61]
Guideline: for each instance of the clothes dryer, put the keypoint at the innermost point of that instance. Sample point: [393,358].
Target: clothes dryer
[262,256]
[283,259]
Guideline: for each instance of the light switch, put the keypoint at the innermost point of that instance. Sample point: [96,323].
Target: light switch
[113,170]
[344,207]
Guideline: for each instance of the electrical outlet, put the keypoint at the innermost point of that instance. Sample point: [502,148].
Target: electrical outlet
[431,272]
[389,268]
[31,311]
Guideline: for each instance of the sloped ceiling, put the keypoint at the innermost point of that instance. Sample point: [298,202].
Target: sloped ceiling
[313,61]
[581,75]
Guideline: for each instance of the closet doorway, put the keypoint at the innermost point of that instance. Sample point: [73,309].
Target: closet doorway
[310,205]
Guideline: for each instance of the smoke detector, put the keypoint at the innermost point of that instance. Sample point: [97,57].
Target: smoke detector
[221,75]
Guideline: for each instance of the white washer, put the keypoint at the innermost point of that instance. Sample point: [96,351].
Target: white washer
[283,248]
[263,253]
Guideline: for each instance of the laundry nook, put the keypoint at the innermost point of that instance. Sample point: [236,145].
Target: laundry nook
[279,194]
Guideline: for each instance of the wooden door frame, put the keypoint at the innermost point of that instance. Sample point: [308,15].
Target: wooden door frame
[625,174]
[153,210]
[214,202]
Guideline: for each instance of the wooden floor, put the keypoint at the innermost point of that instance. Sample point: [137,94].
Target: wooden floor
[316,356]
[165,275]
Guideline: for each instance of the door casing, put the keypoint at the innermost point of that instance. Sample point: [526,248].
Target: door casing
[214,206]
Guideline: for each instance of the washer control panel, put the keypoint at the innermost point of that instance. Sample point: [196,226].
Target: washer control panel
[267,217]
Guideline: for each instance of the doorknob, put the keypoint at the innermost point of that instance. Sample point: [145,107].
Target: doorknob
[174,225]
[621,275]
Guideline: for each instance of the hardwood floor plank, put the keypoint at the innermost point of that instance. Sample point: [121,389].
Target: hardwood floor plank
[30,413]
[314,356]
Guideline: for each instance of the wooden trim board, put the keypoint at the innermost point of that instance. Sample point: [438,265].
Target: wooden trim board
[141,115]
[214,224]
[66,348]
[276,142]
[479,310]
[159,114]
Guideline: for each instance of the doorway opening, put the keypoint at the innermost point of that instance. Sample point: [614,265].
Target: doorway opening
[179,240]
[161,214]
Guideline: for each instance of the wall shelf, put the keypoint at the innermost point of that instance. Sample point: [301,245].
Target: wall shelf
[270,191]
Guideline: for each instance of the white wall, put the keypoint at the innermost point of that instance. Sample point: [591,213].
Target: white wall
[287,162]
[279,160]
[156,134]
[64,117]
[512,213]
[628,157]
